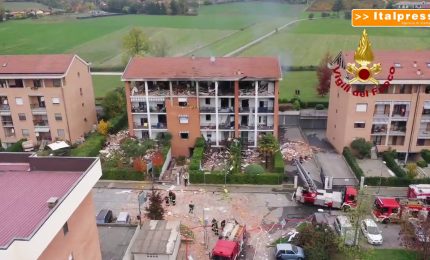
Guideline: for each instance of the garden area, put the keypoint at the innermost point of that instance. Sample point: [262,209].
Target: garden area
[234,165]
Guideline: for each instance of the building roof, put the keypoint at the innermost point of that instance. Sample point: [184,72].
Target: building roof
[25,190]
[199,68]
[389,202]
[114,240]
[156,237]
[35,64]
[403,61]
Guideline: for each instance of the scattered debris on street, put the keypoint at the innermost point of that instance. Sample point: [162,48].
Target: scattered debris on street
[297,149]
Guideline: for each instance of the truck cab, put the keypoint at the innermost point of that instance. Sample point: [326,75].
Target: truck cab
[386,210]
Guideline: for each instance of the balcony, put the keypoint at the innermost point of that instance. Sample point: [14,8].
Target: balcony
[424,133]
[265,110]
[264,127]
[244,109]
[7,123]
[381,115]
[207,109]
[400,116]
[425,117]
[379,129]
[41,123]
[226,110]
[399,132]
[4,108]
[246,127]
[158,109]
[38,109]
[229,126]
[9,132]
[266,88]
[208,126]
[158,89]
[159,126]
[140,126]
[138,110]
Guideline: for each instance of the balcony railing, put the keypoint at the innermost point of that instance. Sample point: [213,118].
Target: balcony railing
[208,126]
[139,126]
[265,110]
[423,133]
[244,109]
[207,109]
[7,123]
[226,126]
[400,115]
[4,108]
[265,127]
[38,107]
[381,115]
[397,132]
[157,109]
[159,126]
[226,110]
[138,110]
[41,123]
[425,117]
[247,127]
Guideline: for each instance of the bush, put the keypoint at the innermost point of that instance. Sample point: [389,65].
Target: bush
[279,163]
[122,174]
[254,169]
[16,147]
[362,147]
[425,154]
[117,123]
[91,147]
[422,164]
[200,142]
[319,107]
[324,14]
[314,104]
[394,181]
[218,178]
[347,15]
[391,163]
[311,16]
[296,104]
[196,158]
[350,159]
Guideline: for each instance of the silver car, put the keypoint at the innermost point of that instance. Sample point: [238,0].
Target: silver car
[289,251]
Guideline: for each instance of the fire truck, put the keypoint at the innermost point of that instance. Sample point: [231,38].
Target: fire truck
[230,242]
[420,192]
[392,210]
[309,194]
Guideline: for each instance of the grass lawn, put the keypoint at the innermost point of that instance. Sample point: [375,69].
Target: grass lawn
[305,81]
[104,84]
[391,254]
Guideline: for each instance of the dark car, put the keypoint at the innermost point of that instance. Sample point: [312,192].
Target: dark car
[104,216]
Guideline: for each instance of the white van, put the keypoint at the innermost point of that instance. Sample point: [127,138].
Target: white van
[344,229]
[123,218]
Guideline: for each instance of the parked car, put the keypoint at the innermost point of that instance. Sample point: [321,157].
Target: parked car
[123,218]
[371,232]
[104,216]
[321,219]
[344,229]
[289,251]
[420,234]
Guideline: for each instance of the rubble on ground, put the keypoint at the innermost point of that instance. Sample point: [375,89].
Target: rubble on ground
[250,156]
[297,149]
[113,143]
[215,159]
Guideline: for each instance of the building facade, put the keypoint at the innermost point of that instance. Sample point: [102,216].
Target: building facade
[46,207]
[189,97]
[45,97]
[398,118]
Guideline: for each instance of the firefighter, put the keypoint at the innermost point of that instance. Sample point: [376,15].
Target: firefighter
[222,224]
[166,199]
[172,197]
[215,226]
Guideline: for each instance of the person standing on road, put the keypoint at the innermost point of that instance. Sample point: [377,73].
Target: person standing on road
[186,179]
[166,199]
[191,207]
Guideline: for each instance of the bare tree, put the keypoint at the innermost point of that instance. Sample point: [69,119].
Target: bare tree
[416,235]
[324,76]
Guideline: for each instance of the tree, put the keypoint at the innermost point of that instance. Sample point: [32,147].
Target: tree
[160,48]
[135,43]
[114,103]
[235,155]
[268,146]
[415,233]
[155,210]
[390,5]
[174,7]
[2,11]
[412,170]
[337,6]
[324,75]
[132,148]
[361,147]
[319,242]
[103,127]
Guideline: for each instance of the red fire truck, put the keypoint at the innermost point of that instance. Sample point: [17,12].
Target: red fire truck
[387,210]
[420,192]
[336,199]
[231,241]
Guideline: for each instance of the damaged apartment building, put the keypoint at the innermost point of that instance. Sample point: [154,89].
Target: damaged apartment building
[189,97]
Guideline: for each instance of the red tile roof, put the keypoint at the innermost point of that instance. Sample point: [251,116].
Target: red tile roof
[35,64]
[406,59]
[23,199]
[202,68]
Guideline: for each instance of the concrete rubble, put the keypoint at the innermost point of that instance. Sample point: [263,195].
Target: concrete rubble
[113,144]
[296,149]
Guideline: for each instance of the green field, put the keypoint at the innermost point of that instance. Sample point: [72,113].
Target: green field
[104,84]
[391,254]
[304,81]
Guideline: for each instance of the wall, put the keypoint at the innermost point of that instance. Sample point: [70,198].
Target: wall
[82,240]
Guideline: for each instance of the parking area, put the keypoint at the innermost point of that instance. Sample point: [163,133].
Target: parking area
[390,234]
[374,168]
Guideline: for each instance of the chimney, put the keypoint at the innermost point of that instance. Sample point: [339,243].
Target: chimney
[419,72]
[415,64]
[52,201]
[212,59]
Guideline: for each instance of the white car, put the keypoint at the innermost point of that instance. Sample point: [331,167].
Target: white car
[371,232]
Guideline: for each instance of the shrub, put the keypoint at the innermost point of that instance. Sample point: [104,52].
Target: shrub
[391,163]
[117,123]
[311,16]
[324,14]
[279,163]
[347,15]
[200,142]
[411,170]
[394,181]
[122,174]
[319,107]
[425,154]
[350,159]
[16,147]
[218,178]
[362,147]
[254,169]
[311,104]
[103,127]
[296,104]
[422,164]
[91,147]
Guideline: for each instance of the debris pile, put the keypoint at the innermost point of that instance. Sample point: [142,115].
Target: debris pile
[113,143]
[215,159]
[291,150]
[250,156]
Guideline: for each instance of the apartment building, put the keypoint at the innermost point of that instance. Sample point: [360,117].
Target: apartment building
[398,118]
[45,97]
[46,207]
[217,98]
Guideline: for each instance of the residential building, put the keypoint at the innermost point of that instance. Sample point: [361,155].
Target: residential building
[217,98]
[46,207]
[399,118]
[45,97]
[159,239]
[412,5]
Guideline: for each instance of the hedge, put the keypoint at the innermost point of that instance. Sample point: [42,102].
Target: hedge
[91,147]
[426,155]
[196,158]
[422,164]
[117,123]
[299,68]
[122,174]
[16,147]
[217,178]
[394,181]
[350,159]
[200,142]
[391,163]
[279,163]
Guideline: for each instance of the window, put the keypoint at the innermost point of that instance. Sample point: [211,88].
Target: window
[65,228]
[25,133]
[361,107]
[3,83]
[208,117]
[182,102]
[55,100]
[183,119]
[19,101]
[37,83]
[427,90]
[60,133]
[58,117]
[56,83]
[207,101]
[21,117]
[184,135]
[359,125]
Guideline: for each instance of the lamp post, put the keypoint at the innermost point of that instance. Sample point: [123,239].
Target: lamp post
[380,176]
[205,233]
